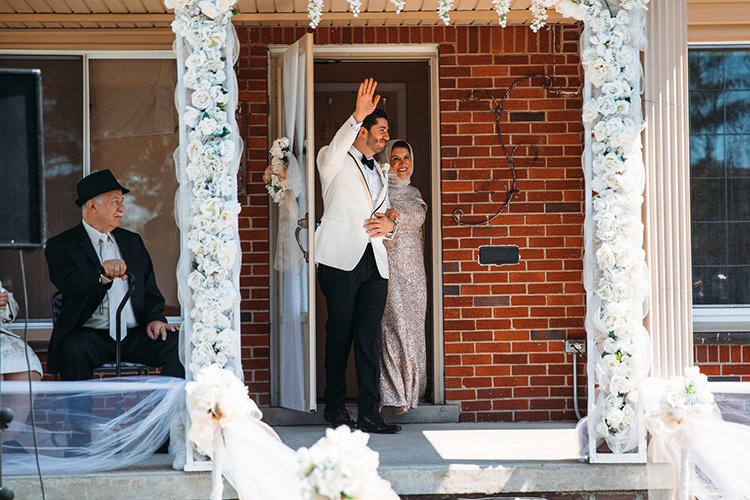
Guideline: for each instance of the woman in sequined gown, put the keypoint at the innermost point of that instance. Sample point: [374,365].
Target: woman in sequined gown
[403,357]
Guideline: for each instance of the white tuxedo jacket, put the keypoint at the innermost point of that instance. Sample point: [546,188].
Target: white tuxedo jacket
[341,240]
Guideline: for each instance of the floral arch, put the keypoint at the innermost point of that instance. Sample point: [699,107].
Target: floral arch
[615,273]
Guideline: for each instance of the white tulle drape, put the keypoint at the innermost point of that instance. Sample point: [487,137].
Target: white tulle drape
[149,410]
[615,274]
[288,255]
[708,454]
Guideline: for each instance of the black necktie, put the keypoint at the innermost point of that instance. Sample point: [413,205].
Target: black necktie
[369,163]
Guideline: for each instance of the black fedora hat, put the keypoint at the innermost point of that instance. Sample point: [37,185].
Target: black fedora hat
[95,184]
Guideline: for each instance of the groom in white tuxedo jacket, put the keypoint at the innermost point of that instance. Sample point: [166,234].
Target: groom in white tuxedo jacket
[352,261]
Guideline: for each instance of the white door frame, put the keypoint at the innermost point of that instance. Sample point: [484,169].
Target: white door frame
[400,53]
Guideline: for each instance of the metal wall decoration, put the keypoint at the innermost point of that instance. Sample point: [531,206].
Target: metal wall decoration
[241,114]
[497,109]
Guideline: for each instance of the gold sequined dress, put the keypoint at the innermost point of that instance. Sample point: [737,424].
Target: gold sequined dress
[403,356]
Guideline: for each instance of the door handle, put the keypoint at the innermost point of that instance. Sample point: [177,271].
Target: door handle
[302,224]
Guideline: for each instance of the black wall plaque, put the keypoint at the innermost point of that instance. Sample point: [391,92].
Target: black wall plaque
[498,255]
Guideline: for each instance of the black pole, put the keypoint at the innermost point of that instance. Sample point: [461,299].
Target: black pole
[118,323]
[6,417]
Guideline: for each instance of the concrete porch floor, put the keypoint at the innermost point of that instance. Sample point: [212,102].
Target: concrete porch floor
[440,459]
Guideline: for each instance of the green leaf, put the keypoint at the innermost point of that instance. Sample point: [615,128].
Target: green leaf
[236,12]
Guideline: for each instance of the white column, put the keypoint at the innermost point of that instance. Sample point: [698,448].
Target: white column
[667,194]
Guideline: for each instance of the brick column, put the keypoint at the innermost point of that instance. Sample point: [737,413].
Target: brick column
[667,195]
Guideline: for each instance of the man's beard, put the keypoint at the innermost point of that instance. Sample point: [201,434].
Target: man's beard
[374,145]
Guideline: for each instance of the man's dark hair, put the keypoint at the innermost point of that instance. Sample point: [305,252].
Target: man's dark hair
[372,118]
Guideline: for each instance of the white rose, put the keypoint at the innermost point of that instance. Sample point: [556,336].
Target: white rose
[202,333]
[618,384]
[606,105]
[194,149]
[221,359]
[223,186]
[614,418]
[201,99]
[568,8]
[598,147]
[219,95]
[204,354]
[195,280]
[208,126]
[192,116]
[227,254]
[196,59]
[226,150]
[610,363]
[190,79]
[605,256]
[209,9]
[590,112]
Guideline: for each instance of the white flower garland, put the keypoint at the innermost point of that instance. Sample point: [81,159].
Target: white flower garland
[355,5]
[314,12]
[615,313]
[444,8]
[502,7]
[275,175]
[212,236]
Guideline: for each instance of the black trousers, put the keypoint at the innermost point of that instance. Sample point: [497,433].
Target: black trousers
[88,348]
[355,301]
[85,349]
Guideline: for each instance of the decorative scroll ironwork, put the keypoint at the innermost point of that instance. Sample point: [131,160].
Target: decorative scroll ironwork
[458,213]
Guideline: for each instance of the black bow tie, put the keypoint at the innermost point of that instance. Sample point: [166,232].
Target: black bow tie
[369,163]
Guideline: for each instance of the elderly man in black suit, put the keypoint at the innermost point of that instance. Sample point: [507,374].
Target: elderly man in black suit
[88,264]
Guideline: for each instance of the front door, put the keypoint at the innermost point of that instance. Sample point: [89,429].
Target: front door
[293,82]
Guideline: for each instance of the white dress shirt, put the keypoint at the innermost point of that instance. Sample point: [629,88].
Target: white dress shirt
[100,319]
[372,176]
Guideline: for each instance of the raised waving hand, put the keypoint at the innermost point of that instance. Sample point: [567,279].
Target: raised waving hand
[367,101]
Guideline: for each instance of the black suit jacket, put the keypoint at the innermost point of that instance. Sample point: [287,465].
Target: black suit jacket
[74,270]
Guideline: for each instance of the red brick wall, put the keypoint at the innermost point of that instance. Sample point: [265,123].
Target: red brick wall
[504,326]
[723,361]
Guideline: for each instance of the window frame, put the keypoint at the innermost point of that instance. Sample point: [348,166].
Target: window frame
[719,318]
[40,325]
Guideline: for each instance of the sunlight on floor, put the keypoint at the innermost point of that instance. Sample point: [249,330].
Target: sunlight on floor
[505,444]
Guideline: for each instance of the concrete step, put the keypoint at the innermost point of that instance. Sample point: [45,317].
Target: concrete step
[433,461]
[424,414]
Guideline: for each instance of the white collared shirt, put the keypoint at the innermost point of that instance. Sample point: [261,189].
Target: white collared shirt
[100,319]
[372,176]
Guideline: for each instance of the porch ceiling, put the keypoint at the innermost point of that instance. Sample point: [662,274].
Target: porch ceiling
[129,14]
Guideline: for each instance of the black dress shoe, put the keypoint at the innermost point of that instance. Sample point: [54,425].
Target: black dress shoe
[339,416]
[375,424]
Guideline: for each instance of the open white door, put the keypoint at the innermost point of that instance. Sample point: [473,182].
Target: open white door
[311,396]
[297,388]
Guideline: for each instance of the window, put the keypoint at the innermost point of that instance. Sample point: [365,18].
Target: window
[720,180]
[129,125]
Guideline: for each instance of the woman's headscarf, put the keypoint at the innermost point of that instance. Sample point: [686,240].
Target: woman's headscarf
[395,184]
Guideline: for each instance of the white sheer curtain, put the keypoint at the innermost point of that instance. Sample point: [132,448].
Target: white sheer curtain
[294,270]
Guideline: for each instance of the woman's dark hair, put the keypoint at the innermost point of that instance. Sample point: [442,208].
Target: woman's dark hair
[401,144]
[372,118]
